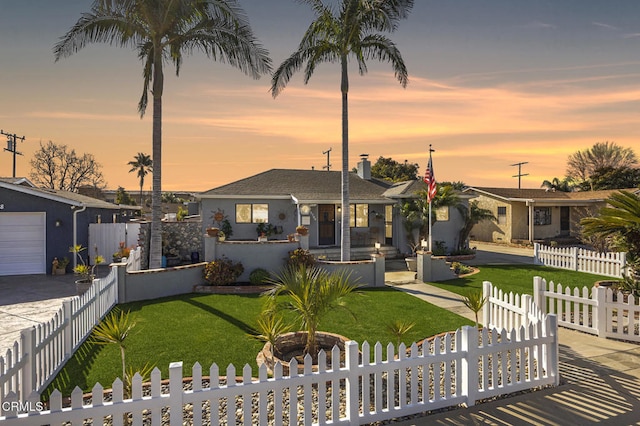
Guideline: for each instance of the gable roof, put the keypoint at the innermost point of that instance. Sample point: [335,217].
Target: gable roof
[66,197]
[514,194]
[301,185]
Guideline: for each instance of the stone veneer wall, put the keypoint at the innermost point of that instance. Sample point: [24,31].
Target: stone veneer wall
[179,238]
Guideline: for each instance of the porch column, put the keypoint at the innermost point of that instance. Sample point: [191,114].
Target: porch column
[530,204]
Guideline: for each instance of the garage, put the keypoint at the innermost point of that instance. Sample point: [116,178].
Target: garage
[22,243]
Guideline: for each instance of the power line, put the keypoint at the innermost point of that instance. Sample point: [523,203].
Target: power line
[328,154]
[520,174]
[12,146]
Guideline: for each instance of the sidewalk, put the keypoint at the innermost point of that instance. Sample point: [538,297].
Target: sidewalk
[600,378]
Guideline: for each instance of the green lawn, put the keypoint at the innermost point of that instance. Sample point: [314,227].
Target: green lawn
[518,278]
[216,328]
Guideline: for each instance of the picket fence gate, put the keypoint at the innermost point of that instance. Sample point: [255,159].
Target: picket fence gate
[456,368]
[599,311]
[581,260]
[33,361]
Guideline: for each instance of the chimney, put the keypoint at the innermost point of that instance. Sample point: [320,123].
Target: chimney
[364,167]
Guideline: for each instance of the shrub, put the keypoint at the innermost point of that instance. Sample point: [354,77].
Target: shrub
[300,257]
[461,269]
[440,249]
[259,276]
[222,271]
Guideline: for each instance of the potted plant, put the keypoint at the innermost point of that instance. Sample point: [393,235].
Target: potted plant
[59,266]
[302,230]
[83,270]
[221,223]
[122,253]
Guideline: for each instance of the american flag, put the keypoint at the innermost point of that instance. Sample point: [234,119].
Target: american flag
[430,180]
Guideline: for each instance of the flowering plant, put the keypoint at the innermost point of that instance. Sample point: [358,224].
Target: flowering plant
[85,271]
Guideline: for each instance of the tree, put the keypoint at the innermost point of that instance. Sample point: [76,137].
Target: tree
[612,178]
[582,164]
[620,221]
[123,197]
[57,167]
[163,30]
[564,185]
[472,216]
[142,165]
[313,293]
[389,169]
[356,32]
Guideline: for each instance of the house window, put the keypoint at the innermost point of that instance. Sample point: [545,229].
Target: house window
[542,216]
[442,214]
[359,215]
[252,213]
[502,215]
[388,223]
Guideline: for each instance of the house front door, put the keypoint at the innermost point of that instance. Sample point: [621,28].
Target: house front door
[565,222]
[326,224]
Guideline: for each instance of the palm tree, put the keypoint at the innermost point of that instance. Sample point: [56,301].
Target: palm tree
[472,216]
[564,185]
[620,220]
[162,30]
[143,164]
[313,292]
[355,31]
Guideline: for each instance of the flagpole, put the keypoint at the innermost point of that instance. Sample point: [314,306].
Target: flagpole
[430,233]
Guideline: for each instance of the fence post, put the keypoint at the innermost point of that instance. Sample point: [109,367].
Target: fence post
[599,294]
[539,287]
[574,255]
[352,379]
[553,352]
[525,304]
[469,379]
[27,348]
[536,254]
[487,288]
[624,271]
[67,330]
[175,393]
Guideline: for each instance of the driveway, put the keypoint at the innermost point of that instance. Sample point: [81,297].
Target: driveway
[27,300]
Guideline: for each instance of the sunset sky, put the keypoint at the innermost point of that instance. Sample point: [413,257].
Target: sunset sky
[491,83]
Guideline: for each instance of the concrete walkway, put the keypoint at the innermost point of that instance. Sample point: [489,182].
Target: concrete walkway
[600,378]
[28,300]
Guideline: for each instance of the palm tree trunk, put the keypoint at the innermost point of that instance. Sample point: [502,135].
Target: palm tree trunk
[345,247]
[155,250]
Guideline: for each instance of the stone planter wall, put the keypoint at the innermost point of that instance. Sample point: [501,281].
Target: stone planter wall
[182,237]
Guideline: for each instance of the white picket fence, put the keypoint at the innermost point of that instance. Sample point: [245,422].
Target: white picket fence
[581,260]
[134,261]
[458,368]
[33,361]
[600,311]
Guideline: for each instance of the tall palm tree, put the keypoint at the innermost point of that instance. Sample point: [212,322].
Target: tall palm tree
[143,165]
[354,32]
[163,30]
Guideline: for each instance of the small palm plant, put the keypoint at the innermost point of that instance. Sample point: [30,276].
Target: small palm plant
[114,330]
[399,328]
[270,326]
[475,301]
[313,293]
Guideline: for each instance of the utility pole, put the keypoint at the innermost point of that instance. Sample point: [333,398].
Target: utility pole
[328,154]
[12,146]
[520,174]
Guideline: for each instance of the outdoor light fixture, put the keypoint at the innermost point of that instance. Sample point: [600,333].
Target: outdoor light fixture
[58,223]
[305,209]
[377,248]
[339,209]
[424,243]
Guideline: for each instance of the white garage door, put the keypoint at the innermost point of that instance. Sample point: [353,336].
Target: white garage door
[22,243]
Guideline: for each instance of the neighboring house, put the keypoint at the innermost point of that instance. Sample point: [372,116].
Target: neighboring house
[37,225]
[287,198]
[555,214]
